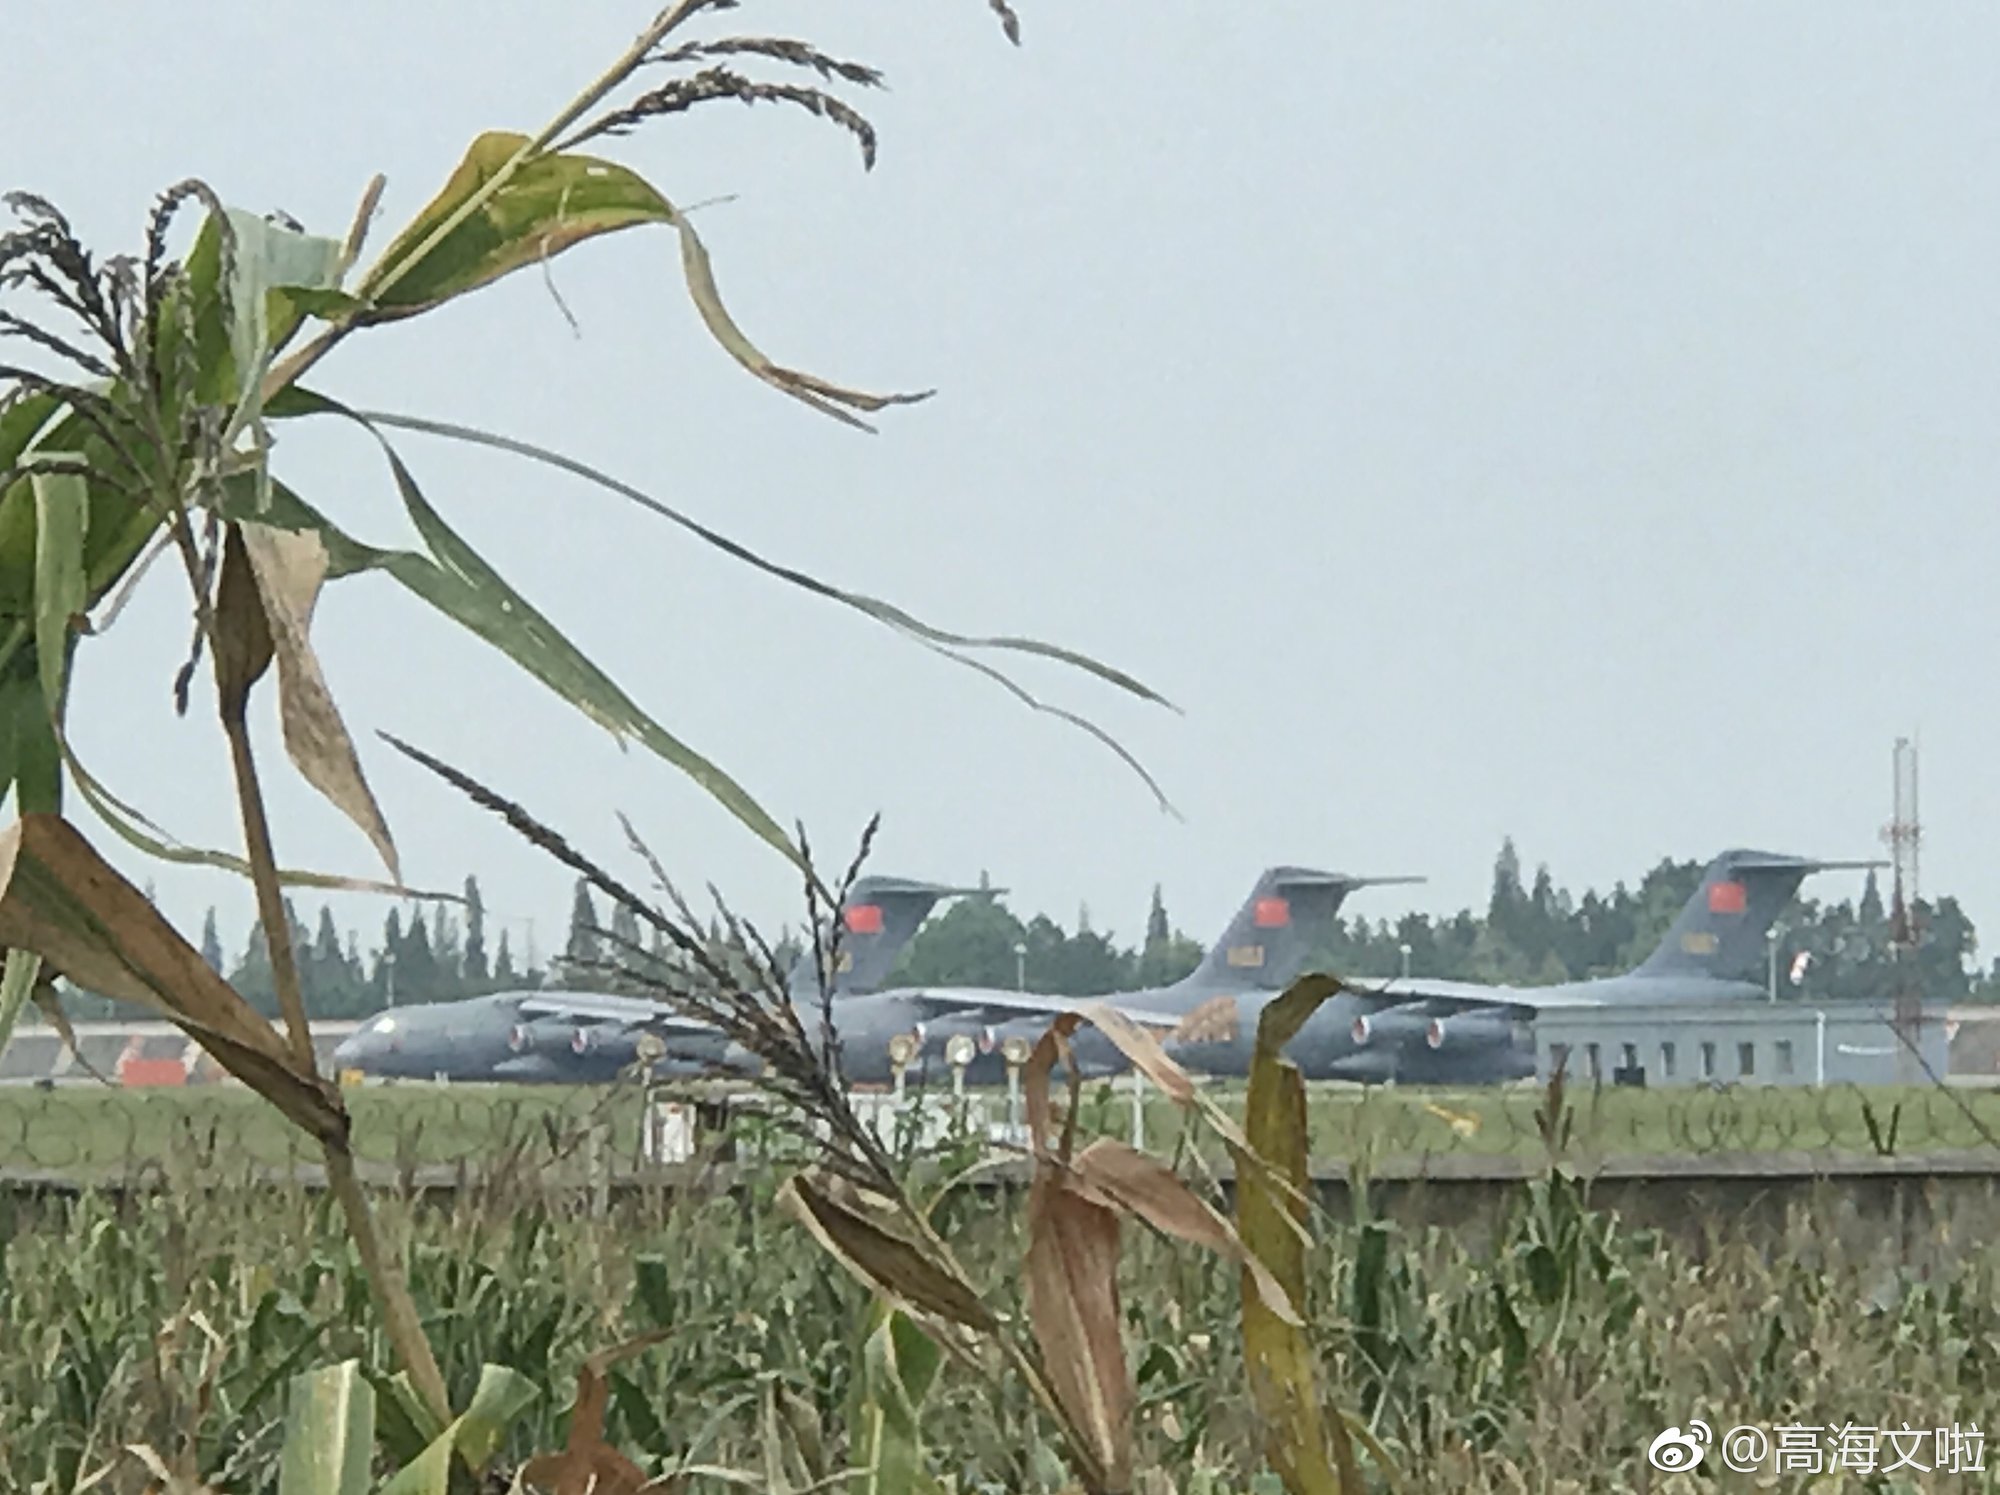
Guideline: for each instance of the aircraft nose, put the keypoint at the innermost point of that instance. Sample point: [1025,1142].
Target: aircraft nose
[353,1050]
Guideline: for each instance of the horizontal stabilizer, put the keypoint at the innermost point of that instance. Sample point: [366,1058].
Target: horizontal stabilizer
[1804,865]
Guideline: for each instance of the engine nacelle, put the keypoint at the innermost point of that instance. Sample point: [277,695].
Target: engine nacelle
[619,1041]
[539,1037]
[1480,1028]
[1392,1025]
[984,1035]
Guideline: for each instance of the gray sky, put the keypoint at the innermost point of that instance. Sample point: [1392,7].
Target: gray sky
[1564,421]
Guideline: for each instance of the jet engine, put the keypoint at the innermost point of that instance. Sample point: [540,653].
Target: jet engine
[1391,1025]
[539,1037]
[1479,1028]
[985,1037]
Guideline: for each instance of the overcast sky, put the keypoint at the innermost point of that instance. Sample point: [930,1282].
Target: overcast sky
[1567,421]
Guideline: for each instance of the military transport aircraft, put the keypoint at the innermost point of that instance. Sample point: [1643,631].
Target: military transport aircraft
[1418,1030]
[1265,946]
[575,1037]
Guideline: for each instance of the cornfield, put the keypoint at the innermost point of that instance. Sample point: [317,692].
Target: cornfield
[1547,1355]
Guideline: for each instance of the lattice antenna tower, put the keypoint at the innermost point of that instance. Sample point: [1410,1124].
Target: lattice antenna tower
[1904,835]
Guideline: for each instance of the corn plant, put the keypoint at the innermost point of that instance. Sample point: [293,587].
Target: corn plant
[866,1212]
[140,423]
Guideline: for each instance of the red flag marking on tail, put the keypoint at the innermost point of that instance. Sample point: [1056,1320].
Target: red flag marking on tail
[864,918]
[1725,898]
[1272,913]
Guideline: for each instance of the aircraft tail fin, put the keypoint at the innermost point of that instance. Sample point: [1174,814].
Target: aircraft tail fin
[1266,945]
[1721,931]
[880,916]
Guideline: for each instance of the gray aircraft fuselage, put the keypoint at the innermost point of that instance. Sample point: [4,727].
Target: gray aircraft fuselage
[486,1039]
[1418,1030]
[1262,948]
[1325,1047]
[490,1038]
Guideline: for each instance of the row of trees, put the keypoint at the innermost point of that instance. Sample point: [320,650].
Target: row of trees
[427,953]
[1531,932]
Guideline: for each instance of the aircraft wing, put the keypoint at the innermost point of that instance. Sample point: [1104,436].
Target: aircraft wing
[1447,996]
[595,1008]
[975,1001]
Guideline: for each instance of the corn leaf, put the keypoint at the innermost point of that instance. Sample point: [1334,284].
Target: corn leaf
[290,567]
[586,1464]
[268,257]
[329,1433]
[1072,1282]
[429,1473]
[37,760]
[881,611]
[17,980]
[60,900]
[459,583]
[1071,1271]
[474,1435]
[25,426]
[1053,1044]
[859,1237]
[1146,1187]
[1151,1059]
[243,647]
[62,511]
[898,1364]
[142,833]
[549,203]
[1277,1356]
[546,203]
[825,397]
[1144,1050]
[36,754]
[500,1397]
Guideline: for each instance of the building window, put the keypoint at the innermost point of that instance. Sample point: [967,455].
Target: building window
[1558,1057]
[1631,1060]
[1708,1061]
[1746,1059]
[1667,1061]
[1784,1056]
[1596,1061]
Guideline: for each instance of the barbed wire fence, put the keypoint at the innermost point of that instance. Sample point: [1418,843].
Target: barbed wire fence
[83,1132]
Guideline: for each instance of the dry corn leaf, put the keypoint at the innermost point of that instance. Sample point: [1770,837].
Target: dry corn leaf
[61,900]
[862,1239]
[587,1465]
[1146,1187]
[290,568]
[1072,1281]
